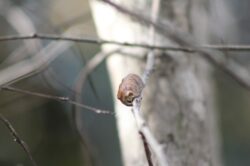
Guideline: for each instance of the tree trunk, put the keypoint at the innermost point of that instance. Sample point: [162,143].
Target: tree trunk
[177,102]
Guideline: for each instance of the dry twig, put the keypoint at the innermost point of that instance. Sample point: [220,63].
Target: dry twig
[90,66]
[26,68]
[151,140]
[56,98]
[130,94]
[79,85]
[56,37]
[240,74]
[146,135]
[18,139]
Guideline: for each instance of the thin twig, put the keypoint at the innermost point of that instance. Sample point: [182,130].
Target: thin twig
[148,70]
[90,66]
[21,22]
[141,124]
[151,54]
[103,41]
[146,149]
[18,139]
[168,29]
[79,85]
[95,61]
[37,63]
[151,140]
[57,98]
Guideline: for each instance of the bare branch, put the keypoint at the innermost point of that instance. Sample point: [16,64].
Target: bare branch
[79,85]
[151,140]
[90,66]
[130,94]
[57,98]
[22,23]
[146,149]
[127,44]
[148,138]
[240,74]
[151,54]
[26,68]
[18,139]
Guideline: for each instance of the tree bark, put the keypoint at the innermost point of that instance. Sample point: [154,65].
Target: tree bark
[177,102]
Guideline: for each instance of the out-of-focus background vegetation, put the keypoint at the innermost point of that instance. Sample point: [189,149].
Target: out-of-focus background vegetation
[48,127]
[232,100]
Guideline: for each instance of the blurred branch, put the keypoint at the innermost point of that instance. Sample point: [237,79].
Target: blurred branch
[151,55]
[89,67]
[17,139]
[17,55]
[194,48]
[240,74]
[28,67]
[81,18]
[95,61]
[22,23]
[56,98]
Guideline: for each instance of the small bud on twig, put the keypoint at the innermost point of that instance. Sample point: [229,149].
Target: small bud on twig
[130,88]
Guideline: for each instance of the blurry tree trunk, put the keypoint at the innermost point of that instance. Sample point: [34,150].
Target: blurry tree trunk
[177,102]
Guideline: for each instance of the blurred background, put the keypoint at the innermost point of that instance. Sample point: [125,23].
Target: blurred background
[49,127]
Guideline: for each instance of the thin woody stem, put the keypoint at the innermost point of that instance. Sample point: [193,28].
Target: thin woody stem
[128,44]
[18,139]
[57,98]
